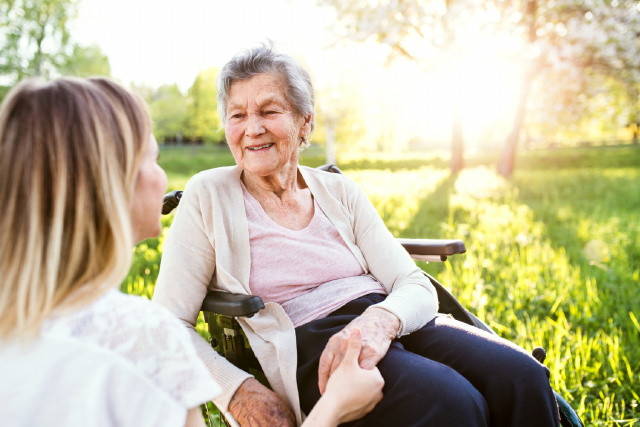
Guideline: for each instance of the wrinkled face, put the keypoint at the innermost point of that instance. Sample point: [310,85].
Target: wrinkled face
[151,185]
[262,129]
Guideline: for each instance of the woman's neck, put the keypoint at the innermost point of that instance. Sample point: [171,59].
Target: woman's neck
[286,199]
[284,184]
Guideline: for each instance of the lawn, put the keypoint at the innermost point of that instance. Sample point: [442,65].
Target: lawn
[553,254]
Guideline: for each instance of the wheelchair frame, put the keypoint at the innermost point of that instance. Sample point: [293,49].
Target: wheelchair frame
[222,308]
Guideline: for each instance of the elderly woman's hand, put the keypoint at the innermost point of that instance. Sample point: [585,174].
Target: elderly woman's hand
[379,327]
[255,405]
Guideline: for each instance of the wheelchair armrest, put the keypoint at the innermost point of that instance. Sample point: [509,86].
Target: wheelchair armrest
[330,168]
[228,304]
[170,201]
[432,249]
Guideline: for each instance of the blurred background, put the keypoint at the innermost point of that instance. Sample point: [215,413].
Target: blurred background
[392,76]
[510,124]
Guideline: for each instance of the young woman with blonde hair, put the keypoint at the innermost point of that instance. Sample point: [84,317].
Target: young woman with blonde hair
[80,184]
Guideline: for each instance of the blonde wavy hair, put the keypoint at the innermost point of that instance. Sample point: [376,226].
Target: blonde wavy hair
[69,154]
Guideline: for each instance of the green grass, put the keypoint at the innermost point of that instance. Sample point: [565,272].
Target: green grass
[553,255]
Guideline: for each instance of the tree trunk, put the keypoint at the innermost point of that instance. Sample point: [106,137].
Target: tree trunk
[508,159]
[37,69]
[457,142]
[37,66]
[633,89]
[507,162]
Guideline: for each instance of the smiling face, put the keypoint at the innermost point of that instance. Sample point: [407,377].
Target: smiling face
[262,129]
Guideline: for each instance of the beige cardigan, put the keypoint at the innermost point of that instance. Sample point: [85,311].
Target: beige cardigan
[207,247]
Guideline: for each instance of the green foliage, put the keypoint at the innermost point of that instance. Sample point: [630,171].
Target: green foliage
[553,256]
[35,41]
[599,108]
[340,110]
[617,156]
[212,415]
[34,33]
[143,273]
[169,112]
[186,118]
[85,61]
[203,121]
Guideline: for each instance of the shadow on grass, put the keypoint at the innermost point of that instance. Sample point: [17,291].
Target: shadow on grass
[428,221]
[433,211]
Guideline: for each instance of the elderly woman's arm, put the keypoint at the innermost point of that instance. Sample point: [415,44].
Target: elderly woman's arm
[411,302]
[187,266]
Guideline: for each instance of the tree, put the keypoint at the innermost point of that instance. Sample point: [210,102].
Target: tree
[85,62]
[203,122]
[338,121]
[168,107]
[35,41]
[568,37]
[576,41]
[426,32]
[528,20]
[34,32]
[595,107]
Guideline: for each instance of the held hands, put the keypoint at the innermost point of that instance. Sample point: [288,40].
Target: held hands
[255,405]
[351,392]
[378,326]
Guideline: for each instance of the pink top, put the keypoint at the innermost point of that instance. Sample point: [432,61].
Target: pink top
[310,272]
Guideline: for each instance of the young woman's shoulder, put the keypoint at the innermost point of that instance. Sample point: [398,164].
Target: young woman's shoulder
[130,361]
[146,337]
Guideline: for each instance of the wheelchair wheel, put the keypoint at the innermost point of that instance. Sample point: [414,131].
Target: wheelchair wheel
[568,417]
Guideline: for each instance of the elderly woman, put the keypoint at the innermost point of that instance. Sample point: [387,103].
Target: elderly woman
[312,246]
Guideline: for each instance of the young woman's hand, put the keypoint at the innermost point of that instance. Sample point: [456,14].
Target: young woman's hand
[351,391]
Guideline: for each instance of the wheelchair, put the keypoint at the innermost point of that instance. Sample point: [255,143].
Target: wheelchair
[221,309]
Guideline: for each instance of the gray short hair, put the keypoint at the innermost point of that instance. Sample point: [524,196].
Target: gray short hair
[264,59]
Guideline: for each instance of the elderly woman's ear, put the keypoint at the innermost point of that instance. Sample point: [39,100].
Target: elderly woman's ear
[305,129]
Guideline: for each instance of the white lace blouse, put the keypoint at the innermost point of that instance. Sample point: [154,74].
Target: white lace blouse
[121,361]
